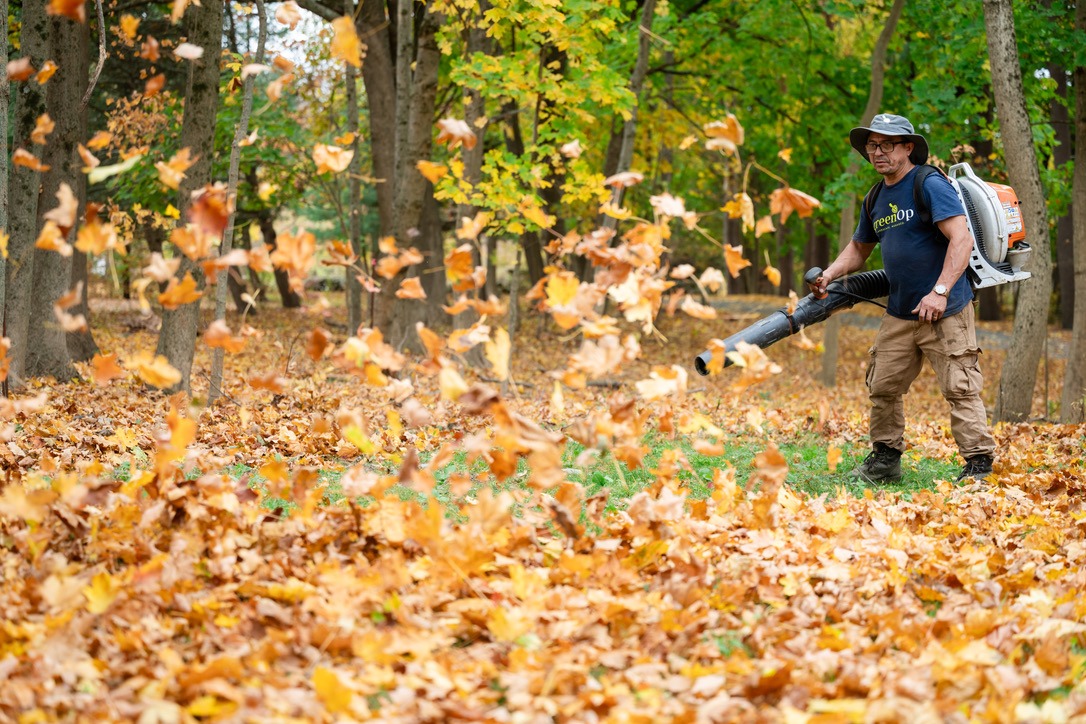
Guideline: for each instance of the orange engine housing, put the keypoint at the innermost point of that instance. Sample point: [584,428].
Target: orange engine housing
[1016,228]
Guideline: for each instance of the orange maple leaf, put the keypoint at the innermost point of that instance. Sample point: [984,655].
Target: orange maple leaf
[733,257]
[785,200]
[104,368]
[180,293]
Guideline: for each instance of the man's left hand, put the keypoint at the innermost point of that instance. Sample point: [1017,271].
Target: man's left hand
[931,308]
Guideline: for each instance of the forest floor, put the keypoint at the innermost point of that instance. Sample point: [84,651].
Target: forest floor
[313,547]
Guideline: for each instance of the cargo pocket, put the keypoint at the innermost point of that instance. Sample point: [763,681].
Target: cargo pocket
[964,378]
[870,378]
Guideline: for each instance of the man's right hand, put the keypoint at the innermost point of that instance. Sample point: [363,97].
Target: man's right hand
[823,281]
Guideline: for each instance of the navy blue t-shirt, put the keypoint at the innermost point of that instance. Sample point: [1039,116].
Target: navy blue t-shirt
[912,251]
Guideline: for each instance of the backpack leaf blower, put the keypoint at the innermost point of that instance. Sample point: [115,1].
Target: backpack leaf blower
[994,218]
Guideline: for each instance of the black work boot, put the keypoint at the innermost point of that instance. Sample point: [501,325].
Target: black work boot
[882,465]
[977,467]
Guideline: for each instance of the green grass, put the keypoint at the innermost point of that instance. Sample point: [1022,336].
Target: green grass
[806,457]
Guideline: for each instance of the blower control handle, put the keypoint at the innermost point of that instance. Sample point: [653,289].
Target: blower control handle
[811,280]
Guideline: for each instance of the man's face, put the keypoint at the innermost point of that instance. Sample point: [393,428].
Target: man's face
[892,163]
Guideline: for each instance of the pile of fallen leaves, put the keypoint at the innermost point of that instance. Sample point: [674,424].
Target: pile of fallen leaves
[143,581]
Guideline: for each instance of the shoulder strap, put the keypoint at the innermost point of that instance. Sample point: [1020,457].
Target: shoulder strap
[918,191]
[870,198]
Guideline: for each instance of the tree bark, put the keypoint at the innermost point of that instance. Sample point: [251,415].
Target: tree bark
[81,344]
[227,243]
[848,213]
[48,355]
[1065,248]
[1073,401]
[287,296]
[23,193]
[203,26]
[1015,396]
[5,89]
[354,195]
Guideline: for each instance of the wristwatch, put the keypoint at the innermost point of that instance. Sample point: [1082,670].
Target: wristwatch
[941,290]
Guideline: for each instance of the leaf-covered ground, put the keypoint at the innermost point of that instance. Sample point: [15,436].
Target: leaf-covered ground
[313,548]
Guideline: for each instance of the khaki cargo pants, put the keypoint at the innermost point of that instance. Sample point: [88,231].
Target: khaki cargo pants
[896,358]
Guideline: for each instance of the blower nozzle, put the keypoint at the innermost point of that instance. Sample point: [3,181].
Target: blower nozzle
[841,294]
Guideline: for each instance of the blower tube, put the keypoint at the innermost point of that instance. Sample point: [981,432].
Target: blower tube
[840,294]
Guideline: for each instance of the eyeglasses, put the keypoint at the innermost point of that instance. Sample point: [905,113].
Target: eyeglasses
[884,146]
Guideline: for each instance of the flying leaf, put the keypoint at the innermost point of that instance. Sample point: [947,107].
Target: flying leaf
[172,172]
[188,51]
[72,9]
[764,226]
[733,257]
[667,205]
[833,458]
[741,206]
[455,132]
[785,200]
[67,208]
[697,309]
[26,159]
[254,69]
[433,172]
[773,275]
[104,369]
[51,239]
[149,50]
[218,335]
[471,228]
[99,140]
[89,161]
[530,210]
[178,9]
[294,253]
[572,149]
[129,26]
[317,342]
[154,369]
[345,43]
[4,239]
[289,14]
[411,288]
[20,69]
[103,172]
[726,135]
[663,382]
[97,237]
[785,154]
[712,279]
[48,69]
[210,209]
[282,64]
[331,158]
[497,350]
[178,294]
[154,85]
[624,179]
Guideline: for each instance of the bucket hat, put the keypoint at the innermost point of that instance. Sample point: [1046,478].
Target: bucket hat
[890,125]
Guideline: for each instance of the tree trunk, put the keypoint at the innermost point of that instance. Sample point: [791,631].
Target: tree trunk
[5,89]
[1074,381]
[397,317]
[203,27]
[848,213]
[1065,248]
[354,196]
[81,344]
[48,355]
[637,82]
[287,296]
[23,193]
[1015,396]
[225,277]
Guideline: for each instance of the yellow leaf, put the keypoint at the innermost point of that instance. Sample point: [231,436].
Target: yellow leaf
[773,275]
[4,238]
[42,128]
[289,14]
[562,288]
[733,257]
[764,226]
[433,172]
[498,348]
[129,26]
[180,293]
[452,385]
[741,206]
[153,369]
[507,627]
[330,690]
[345,44]
[172,212]
[48,68]
[531,211]
[51,239]
[354,435]
[171,172]
[785,155]
[210,706]
[833,457]
[331,158]
[101,593]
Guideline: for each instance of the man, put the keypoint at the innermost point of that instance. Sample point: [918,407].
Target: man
[929,313]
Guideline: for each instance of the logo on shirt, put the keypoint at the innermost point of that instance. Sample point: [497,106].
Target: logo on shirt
[897,217]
